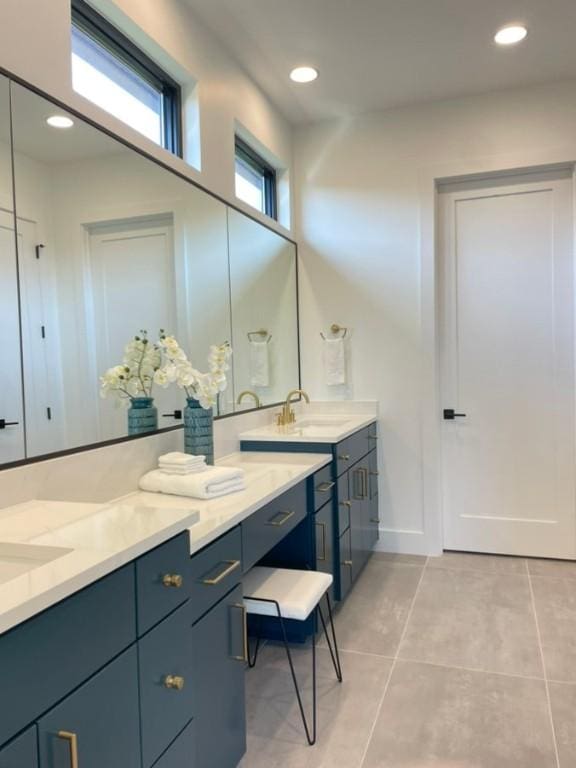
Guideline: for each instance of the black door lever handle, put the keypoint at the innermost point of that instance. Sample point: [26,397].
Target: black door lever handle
[450,414]
[174,415]
[4,423]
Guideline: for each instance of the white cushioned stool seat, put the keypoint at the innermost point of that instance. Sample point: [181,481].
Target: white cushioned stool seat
[296,592]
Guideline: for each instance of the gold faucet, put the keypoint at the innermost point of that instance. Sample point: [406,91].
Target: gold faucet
[249,393]
[287,415]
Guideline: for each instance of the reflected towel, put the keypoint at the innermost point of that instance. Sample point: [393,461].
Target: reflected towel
[259,364]
[334,362]
[214,482]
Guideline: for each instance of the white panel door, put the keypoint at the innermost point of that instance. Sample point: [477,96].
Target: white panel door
[12,445]
[133,286]
[508,364]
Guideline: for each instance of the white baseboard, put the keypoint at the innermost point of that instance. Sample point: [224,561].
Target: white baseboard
[404,543]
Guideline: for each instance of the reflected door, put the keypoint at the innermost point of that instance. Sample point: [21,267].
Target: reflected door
[12,444]
[132,267]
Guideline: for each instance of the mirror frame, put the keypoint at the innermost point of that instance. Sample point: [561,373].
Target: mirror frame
[129,438]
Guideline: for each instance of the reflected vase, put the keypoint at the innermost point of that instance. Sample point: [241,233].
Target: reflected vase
[198,430]
[142,416]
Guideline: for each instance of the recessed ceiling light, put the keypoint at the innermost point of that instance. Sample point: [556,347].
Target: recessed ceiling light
[59,121]
[514,33]
[304,74]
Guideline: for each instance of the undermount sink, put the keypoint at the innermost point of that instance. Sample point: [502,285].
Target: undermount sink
[19,559]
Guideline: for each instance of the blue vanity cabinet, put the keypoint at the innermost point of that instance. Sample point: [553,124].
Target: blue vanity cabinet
[97,725]
[22,752]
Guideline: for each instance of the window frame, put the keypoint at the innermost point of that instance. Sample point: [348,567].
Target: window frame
[87,20]
[246,154]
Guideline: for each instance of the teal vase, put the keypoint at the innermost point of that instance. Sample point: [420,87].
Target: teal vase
[142,416]
[198,430]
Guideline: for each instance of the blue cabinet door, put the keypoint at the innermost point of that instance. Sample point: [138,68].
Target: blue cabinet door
[100,720]
[324,529]
[218,650]
[22,752]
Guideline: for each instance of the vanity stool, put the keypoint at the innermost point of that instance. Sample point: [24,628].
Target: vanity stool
[292,594]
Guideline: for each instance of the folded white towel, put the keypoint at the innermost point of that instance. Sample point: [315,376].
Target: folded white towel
[169,470]
[179,459]
[334,362]
[259,364]
[214,482]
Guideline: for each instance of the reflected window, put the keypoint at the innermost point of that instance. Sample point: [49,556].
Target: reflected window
[255,180]
[109,70]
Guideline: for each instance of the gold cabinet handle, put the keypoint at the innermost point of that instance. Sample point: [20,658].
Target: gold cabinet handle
[374,473]
[72,740]
[322,526]
[172,580]
[364,476]
[173,682]
[244,656]
[348,563]
[344,457]
[346,503]
[231,565]
[372,437]
[287,515]
[325,487]
[374,519]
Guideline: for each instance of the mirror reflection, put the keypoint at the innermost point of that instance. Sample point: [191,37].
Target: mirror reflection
[264,307]
[109,244]
[12,444]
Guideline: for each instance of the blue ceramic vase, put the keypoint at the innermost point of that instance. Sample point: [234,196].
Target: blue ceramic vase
[142,416]
[198,430]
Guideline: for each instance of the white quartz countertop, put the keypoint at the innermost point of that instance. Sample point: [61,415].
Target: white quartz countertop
[312,428]
[51,549]
[267,476]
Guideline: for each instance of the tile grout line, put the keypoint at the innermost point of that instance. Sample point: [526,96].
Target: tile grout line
[546,681]
[394,662]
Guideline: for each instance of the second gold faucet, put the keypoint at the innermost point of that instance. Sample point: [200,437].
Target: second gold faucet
[287,415]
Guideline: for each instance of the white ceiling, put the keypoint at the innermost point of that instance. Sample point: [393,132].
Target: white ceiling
[375,54]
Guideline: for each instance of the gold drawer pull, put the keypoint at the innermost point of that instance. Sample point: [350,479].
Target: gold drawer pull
[346,504]
[372,437]
[374,519]
[325,487]
[231,566]
[287,515]
[72,740]
[174,682]
[348,563]
[323,556]
[172,580]
[244,656]
[374,473]
[344,457]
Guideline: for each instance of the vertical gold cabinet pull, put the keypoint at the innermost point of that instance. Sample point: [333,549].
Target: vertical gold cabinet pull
[72,740]
[244,656]
[323,528]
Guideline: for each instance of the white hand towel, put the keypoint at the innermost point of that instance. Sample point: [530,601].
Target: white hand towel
[182,470]
[216,481]
[177,458]
[334,362]
[259,364]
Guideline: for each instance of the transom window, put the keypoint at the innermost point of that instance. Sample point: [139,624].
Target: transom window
[112,72]
[255,180]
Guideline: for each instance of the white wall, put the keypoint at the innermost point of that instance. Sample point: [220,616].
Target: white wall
[364,194]
[35,45]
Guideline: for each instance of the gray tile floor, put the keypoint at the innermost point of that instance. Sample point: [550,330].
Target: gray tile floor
[462,661]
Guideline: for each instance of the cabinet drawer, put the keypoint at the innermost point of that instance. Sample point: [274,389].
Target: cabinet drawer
[103,717]
[182,752]
[343,504]
[214,571]
[22,752]
[266,527]
[323,487]
[355,447]
[161,582]
[165,664]
[48,656]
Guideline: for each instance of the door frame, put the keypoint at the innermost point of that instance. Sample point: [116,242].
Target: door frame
[429,540]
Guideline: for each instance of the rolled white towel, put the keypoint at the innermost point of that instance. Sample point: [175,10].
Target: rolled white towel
[214,482]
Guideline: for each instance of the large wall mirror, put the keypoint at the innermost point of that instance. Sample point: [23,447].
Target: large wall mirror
[99,242]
